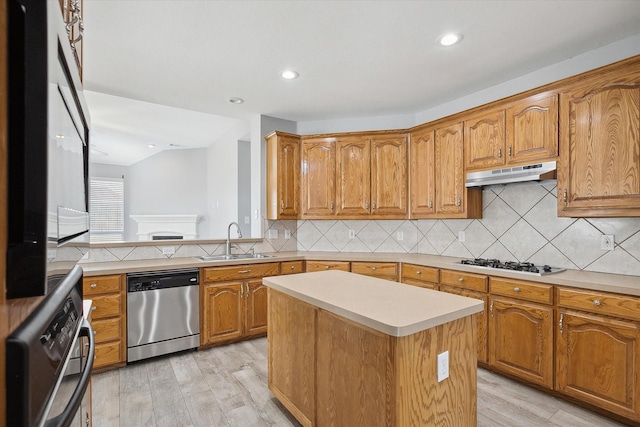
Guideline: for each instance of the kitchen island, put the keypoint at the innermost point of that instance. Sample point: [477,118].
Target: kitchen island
[347,349]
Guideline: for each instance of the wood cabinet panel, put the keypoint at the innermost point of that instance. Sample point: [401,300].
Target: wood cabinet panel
[107,329]
[477,282]
[255,322]
[603,303]
[419,272]
[97,285]
[241,272]
[485,140]
[223,312]
[422,183]
[599,172]
[318,177]
[536,292]
[449,161]
[389,176]
[292,349]
[291,267]
[327,265]
[107,354]
[532,128]
[597,361]
[353,169]
[521,339]
[283,176]
[106,306]
[382,270]
[481,322]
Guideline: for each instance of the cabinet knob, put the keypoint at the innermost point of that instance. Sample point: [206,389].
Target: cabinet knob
[430,203]
[293,267]
[373,268]
[244,271]
[418,272]
[459,202]
[499,153]
[94,285]
[509,151]
[331,206]
[516,289]
[596,302]
[93,307]
[460,279]
[94,333]
[326,267]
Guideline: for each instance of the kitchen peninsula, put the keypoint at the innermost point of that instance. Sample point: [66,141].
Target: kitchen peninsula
[347,349]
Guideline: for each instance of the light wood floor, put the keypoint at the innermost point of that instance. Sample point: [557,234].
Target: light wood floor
[226,386]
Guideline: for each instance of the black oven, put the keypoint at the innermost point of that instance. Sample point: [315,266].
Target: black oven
[48,134]
[43,388]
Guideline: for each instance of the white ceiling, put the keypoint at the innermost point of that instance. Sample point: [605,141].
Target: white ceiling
[355,58]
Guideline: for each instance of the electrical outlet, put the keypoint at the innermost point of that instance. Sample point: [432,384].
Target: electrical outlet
[287,234]
[352,234]
[443,366]
[461,236]
[168,250]
[399,235]
[272,234]
[607,242]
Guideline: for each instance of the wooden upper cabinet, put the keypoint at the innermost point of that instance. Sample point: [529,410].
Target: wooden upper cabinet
[452,199]
[532,128]
[485,140]
[422,172]
[353,176]
[283,176]
[599,174]
[389,176]
[318,177]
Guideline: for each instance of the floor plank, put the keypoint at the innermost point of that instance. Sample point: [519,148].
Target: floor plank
[227,386]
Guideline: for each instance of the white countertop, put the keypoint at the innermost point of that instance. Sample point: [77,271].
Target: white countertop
[389,307]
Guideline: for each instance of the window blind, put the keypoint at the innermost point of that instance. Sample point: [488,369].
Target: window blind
[106,206]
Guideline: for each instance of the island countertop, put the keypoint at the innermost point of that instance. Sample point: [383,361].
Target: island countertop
[389,307]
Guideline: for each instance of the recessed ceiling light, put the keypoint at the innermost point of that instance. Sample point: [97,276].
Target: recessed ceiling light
[236,100]
[449,39]
[151,145]
[289,74]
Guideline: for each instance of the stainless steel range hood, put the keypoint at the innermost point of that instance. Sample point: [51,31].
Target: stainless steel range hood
[532,172]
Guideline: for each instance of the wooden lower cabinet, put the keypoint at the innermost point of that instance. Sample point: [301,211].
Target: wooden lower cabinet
[108,318]
[327,265]
[234,302]
[597,354]
[291,267]
[418,275]
[381,270]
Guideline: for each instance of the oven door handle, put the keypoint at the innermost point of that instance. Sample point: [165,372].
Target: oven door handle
[64,419]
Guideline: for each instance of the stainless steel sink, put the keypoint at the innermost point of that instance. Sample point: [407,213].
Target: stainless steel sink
[231,257]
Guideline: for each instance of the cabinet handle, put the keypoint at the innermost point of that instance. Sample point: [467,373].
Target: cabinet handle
[373,206]
[564,197]
[244,271]
[93,308]
[459,202]
[373,268]
[509,151]
[94,333]
[596,302]
[460,279]
[516,289]
[94,285]
[326,267]
[418,272]
[331,206]
[293,267]
[366,205]
[560,322]
[491,309]
[499,153]
[281,206]
[430,203]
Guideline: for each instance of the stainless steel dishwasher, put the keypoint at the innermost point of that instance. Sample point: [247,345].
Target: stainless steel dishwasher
[163,313]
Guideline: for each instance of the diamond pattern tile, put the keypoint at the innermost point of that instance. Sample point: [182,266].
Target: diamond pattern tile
[632,245]
[307,235]
[621,228]
[338,235]
[617,262]
[477,239]
[544,218]
[550,255]
[372,235]
[440,237]
[498,217]
[580,242]
[522,240]
[522,197]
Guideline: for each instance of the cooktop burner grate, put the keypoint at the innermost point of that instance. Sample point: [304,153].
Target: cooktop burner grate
[515,266]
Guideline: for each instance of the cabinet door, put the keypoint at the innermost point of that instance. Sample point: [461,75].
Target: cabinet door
[353,176]
[598,360]
[389,176]
[521,339]
[288,184]
[482,317]
[532,128]
[449,170]
[600,159]
[484,140]
[223,306]
[422,173]
[255,295]
[318,177]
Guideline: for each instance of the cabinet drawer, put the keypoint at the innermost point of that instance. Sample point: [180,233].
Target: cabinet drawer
[291,267]
[240,272]
[476,282]
[107,354]
[616,305]
[421,273]
[106,306]
[327,265]
[420,283]
[107,330]
[383,270]
[536,292]
[101,284]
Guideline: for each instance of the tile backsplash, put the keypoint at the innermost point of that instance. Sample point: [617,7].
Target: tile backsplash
[519,222]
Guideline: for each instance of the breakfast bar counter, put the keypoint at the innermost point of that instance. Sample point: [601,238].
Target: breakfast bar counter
[347,349]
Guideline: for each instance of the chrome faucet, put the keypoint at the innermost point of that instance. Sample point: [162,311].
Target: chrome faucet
[228,250]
